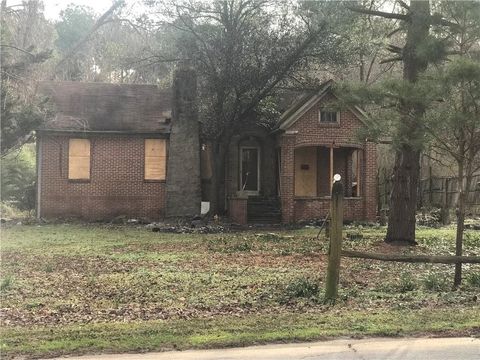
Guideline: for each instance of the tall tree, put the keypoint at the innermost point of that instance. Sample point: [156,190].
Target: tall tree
[26,43]
[242,50]
[76,30]
[454,123]
[74,24]
[419,50]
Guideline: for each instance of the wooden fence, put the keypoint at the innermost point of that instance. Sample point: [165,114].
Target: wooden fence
[335,251]
[440,192]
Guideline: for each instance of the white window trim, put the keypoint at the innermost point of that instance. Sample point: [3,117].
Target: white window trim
[250,192]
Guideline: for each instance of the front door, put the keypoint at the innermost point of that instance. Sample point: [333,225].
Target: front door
[250,170]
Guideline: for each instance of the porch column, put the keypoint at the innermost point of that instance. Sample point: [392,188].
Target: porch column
[369,189]
[287,177]
[331,166]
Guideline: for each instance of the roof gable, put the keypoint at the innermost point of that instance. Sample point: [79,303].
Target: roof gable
[299,108]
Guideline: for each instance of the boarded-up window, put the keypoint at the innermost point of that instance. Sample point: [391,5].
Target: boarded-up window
[155,159]
[306,171]
[79,159]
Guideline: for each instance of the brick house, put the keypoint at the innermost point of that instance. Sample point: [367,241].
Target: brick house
[135,151]
[298,159]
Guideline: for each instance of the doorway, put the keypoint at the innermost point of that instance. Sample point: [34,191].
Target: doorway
[250,170]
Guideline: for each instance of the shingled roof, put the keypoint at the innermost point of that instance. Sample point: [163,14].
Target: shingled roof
[81,106]
[307,101]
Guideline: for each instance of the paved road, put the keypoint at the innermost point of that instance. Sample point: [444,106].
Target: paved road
[367,349]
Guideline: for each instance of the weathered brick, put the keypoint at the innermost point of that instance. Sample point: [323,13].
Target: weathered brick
[308,131]
[116,186]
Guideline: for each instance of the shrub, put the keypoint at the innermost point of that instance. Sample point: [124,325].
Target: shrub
[435,282]
[407,282]
[302,288]
[6,283]
[18,178]
[242,246]
[473,279]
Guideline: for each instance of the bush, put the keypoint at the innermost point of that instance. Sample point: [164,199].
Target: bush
[473,279]
[242,246]
[9,211]
[6,283]
[435,282]
[407,282]
[302,288]
[18,178]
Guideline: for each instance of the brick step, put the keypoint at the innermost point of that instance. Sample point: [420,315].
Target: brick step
[263,210]
[263,206]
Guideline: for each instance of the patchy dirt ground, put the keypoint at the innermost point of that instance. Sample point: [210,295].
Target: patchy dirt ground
[68,275]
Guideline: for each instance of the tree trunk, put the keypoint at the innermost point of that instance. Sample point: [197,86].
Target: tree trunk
[403,198]
[462,200]
[217,190]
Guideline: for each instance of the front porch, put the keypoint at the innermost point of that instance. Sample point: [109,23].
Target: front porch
[306,178]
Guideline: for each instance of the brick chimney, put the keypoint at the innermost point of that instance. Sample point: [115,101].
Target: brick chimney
[183,167]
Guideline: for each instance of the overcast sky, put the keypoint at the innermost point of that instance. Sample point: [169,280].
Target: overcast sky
[53,7]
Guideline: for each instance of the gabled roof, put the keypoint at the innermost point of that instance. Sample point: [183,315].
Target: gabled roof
[81,106]
[306,102]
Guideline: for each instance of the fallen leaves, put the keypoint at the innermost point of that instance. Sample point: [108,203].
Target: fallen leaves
[67,275]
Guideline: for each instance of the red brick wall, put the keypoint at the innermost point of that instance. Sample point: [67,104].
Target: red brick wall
[116,185]
[238,210]
[308,131]
[307,209]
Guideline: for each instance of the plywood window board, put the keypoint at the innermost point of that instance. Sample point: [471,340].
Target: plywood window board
[155,159]
[306,171]
[79,159]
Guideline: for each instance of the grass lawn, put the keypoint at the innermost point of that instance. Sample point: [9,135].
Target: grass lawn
[88,288]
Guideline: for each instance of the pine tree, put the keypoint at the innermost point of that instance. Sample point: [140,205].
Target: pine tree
[420,49]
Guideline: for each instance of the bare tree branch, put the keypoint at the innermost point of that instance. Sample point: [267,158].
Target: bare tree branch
[377,13]
[99,23]
[18,49]
[397,58]
[403,4]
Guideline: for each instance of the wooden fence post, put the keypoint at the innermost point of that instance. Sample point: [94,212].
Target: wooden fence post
[334,254]
[445,209]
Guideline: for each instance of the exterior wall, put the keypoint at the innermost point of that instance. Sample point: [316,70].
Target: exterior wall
[315,208]
[116,186]
[307,131]
[254,137]
[238,210]
[311,132]
[287,177]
